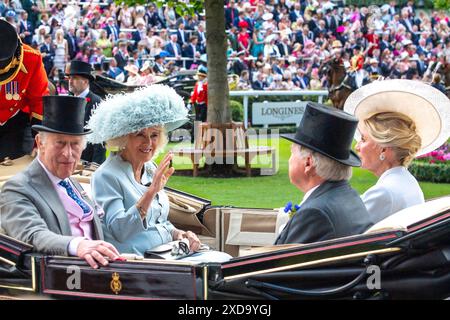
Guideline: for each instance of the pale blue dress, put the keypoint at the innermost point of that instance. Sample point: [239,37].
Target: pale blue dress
[117,191]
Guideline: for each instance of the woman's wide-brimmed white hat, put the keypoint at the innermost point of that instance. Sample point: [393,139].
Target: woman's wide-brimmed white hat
[121,114]
[428,107]
[267,16]
[132,68]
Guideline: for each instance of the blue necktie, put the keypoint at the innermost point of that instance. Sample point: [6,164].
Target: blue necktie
[74,196]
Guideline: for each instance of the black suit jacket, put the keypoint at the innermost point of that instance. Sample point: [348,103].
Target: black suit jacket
[26,26]
[121,60]
[180,39]
[333,210]
[136,37]
[188,52]
[259,85]
[170,50]
[238,67]
[201,41]
[72,46]
[407,26]
[48,59]
[301,38]
[293,16]
[93,152]
[284,52]
[115,29]
[229,16]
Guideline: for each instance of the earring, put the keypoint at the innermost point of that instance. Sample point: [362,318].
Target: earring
[382,156]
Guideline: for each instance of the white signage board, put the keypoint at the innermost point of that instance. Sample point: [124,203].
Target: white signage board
[288,112]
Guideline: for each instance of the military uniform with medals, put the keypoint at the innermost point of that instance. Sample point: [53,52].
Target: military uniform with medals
[23,82]
[357,70]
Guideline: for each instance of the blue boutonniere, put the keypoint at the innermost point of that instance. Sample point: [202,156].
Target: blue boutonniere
[291,210]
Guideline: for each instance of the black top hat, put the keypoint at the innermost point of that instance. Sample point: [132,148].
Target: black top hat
[63,114]
[80,68]
[97,67]
[328,131]
[10,47]
[8,39]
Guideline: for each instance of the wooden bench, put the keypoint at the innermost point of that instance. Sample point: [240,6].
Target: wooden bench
[234,144]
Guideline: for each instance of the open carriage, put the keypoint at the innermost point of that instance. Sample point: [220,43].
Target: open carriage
[406,251]
[183,82]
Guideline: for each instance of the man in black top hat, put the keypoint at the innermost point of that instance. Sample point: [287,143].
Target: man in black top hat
[23,82]
[42,205]
[320,166]
[158,68]
[79,76]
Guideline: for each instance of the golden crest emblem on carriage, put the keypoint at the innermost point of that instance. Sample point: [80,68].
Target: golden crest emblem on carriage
[115,284]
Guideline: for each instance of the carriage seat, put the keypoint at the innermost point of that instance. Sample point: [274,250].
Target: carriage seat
[407,217]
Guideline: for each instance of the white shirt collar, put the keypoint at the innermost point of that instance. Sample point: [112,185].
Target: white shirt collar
[308,193]
[84,93]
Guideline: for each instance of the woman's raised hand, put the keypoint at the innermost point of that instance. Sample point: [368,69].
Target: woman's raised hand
[162,173]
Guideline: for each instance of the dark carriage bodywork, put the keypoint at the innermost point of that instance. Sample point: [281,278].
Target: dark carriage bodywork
[412,263]
[183,83]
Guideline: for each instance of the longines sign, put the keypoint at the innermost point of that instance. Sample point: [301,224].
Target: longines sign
[278,112]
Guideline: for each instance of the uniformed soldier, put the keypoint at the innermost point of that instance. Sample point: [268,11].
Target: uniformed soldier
[357,60]
[199,96]
[23,82]
[356,66]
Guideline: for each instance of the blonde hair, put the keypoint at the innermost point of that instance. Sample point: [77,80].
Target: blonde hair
[119,144]
[397,131]
[325,167]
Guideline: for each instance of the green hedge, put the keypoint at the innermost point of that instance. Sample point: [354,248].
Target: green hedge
[237,111]
[433,172]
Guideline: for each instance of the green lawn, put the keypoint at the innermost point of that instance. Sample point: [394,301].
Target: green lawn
[269,191]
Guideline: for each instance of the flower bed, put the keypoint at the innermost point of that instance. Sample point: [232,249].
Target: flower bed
[433,166]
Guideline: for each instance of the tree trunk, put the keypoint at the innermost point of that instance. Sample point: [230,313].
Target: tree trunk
[218,91]
[216,48]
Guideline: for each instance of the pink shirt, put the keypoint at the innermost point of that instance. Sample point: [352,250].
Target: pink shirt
[80,224]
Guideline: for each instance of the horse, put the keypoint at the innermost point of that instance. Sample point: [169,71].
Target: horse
[339,83]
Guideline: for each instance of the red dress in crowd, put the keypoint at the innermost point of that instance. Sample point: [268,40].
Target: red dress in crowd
[243,39]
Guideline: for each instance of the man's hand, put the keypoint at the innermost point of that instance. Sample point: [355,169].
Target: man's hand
[194,242]
[95,251]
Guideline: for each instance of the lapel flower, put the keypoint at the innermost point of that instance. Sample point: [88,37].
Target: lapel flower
[291,210]
[88,99]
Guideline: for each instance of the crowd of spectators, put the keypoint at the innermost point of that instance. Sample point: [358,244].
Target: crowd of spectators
[272,44]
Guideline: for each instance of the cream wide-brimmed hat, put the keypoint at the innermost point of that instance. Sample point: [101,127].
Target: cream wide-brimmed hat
[132,68]
[267,16]
[428,107]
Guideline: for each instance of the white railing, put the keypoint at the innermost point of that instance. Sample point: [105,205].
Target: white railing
[256,93]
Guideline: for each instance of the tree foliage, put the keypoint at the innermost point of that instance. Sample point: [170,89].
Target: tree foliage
[442,4]
[181,7]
